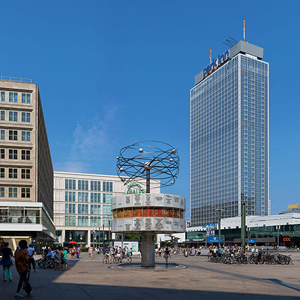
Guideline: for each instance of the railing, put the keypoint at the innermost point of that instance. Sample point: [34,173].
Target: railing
[16,79]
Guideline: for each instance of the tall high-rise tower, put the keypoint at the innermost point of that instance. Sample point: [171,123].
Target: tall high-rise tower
[230,136]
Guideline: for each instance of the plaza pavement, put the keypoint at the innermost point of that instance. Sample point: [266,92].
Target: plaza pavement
[91,279]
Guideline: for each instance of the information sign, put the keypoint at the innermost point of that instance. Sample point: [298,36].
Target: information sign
[214,239]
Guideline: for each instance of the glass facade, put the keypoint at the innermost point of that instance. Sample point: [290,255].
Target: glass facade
[20,215]
[83,211]
[229,141]
[281,235]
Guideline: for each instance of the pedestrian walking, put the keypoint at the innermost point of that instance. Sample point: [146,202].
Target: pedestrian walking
[31,251]
[167,255]
[73,251]
[57,259]
[21,259]
[90,253]
[64,260]
[6,262]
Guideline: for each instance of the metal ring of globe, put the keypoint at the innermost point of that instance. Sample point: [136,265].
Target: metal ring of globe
[148,158]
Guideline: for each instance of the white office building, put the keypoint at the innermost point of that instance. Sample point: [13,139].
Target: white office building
[82,206]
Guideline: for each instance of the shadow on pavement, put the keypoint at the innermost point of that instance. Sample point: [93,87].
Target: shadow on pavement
[84,291]
[43,278]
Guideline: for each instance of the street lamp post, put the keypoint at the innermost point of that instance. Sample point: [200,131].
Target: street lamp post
[109,222]
[103,241]
[219,214]
[93,238]
[243,225]
[277,227]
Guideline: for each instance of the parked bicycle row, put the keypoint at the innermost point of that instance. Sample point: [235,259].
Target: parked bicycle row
[240,258]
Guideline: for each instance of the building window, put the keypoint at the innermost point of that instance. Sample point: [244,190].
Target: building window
[2,173]
[25,192]
[13,135]
[12,192]
[13,97]
[107,198]
[83,209]
[70,184]
[2,115]
[95,221]
[13,154]
[12,173]
[106,209]
[70,196]
[95,209]
[2,153]
[70,208]
[2,192]
[26,98]
[26,136]
[83,185]
[2,134]
[26,117]
[107,186]
[25,155]
[106,221]
[96,197]
[25,173]
[13,116]
[95,186]
[83,221]
[2,96]
[83,197]
[70,221]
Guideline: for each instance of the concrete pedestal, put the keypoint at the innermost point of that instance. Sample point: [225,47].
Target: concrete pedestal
[147,249]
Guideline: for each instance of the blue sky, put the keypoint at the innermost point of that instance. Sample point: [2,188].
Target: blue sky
[112,73]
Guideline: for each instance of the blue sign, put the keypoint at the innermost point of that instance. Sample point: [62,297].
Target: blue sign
[214,239]
[251,241]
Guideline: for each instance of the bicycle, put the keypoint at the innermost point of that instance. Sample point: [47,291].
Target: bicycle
[106,259]
[127,260]
[124,260]
[44,263]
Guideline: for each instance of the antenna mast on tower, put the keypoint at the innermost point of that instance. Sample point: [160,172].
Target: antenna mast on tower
[244,31]
[210,58]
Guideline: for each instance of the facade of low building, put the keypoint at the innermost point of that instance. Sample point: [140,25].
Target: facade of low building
[82,206]
[275,230]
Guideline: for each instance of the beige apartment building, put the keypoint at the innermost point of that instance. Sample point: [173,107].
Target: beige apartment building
[26,172]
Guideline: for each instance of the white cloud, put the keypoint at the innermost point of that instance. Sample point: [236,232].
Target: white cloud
[92,141]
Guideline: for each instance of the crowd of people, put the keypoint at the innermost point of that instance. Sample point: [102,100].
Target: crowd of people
[58,255]
[24,260]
